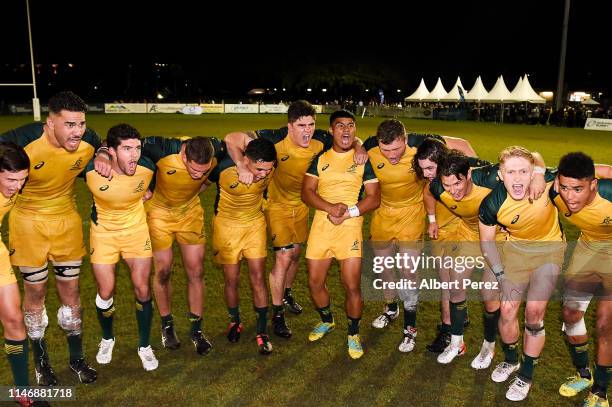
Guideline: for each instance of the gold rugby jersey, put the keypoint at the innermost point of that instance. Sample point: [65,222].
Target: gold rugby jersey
[49,190]
[117,204]
[173,187]
[292,161]
[340,179]
[235,200]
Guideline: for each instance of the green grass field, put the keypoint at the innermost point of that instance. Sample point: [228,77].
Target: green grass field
[299,372]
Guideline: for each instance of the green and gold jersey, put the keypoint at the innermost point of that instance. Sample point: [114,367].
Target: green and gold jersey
[173,187]
[399,185]
[117,204]
[235,200]
[484,180]
[292,163]
[340,179]
[595,219]
[444,216]
[49,190]
[523,220]
[6,204]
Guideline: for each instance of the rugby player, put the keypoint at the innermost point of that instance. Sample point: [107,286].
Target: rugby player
[118,229]
[239,230]
[14,166]
[397,225]
[530,263]
[586,202]
[332,186]
[44,226]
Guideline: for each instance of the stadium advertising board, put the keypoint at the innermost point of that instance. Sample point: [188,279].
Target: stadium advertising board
[233,108]
[125,108]
[212,107]
[165,107]
[280,108]
[598,124]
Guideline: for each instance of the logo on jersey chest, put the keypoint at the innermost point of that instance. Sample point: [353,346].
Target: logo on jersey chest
[39,165]
[607,221]
[104,187]
[380,166]
[352,169]
[234,185]
[325,167]
[453,207]
[285,157]
[170,172]
[516,218]
[77,165]
[140,187]
[355,245]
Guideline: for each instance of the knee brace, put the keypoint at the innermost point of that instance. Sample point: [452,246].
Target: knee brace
[36,322]
[536,329]
[67,270]
[69,319]
[35,275]
[410,298]
[576,329]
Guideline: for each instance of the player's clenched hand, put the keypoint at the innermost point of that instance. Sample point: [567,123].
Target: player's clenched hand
[147,195]
[537,187]
[361,155]
[432,230]
[244,175]
[103,166]
[337,209]
[336,220]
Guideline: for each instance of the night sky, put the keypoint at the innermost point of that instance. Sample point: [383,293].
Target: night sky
[113,46]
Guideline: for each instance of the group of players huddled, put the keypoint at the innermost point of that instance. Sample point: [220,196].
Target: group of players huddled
[146,195]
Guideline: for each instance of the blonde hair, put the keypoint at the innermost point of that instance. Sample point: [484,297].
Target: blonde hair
[515,151]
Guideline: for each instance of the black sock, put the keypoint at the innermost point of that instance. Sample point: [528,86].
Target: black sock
[527,366]
[457,311]
[444,328]
[287,292]
[166,320]
[601,380]
[262,319]
[39,349]
[195,321]
[326,314]
[391,306]
[278,310]
[491,320]
[234,314]
[75,347]
[410,318]
[580,354]
[510,352]
[353,325]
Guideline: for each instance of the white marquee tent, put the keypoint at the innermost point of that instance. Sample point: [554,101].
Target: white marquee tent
[499,93]
[523,92]
[437,93]
[478,92]
[418,94]
[453,95]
